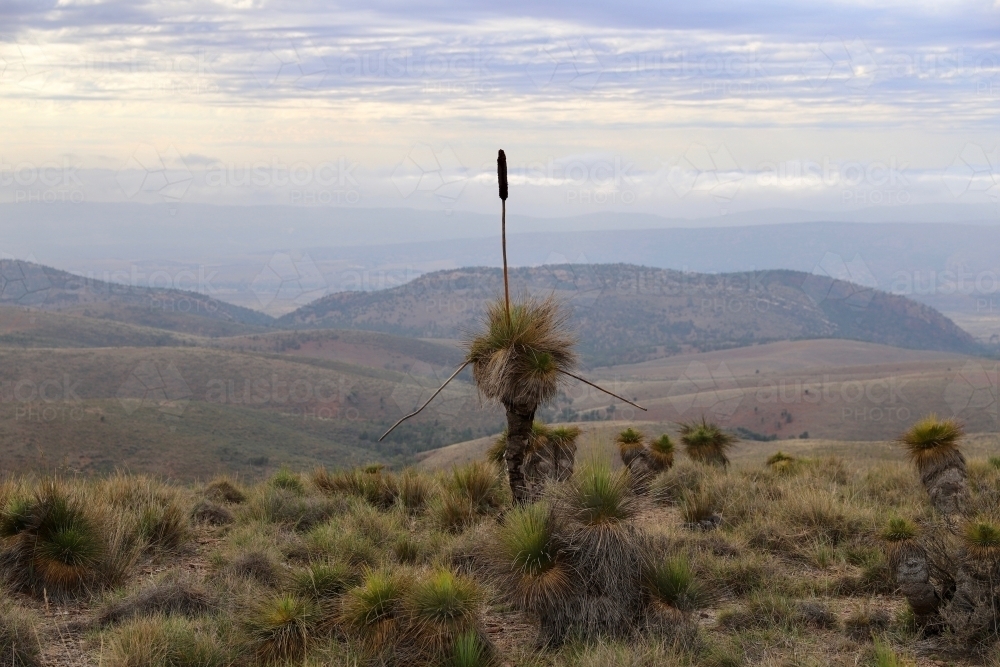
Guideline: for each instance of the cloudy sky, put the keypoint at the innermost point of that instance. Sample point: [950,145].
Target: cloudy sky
[679,109]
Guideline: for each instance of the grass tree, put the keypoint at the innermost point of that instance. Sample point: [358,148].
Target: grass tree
[519,357]
[933,447]
[908,560]
[706,442]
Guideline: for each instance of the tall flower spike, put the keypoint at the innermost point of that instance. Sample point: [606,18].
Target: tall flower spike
[502,180]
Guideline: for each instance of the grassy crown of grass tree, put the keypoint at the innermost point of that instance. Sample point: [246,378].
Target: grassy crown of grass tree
[533,569]
[982,540]
[442,607]
[520,360]
[661,453]
[932,441]
[932,445]
[706,442]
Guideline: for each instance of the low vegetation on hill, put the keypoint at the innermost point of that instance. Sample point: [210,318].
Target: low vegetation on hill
[684,561]
[626,313]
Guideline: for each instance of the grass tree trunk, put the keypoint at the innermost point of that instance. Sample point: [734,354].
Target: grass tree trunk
[520,417]
[946,482]
[914,579]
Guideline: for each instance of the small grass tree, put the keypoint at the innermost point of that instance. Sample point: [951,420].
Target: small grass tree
[706,442]
[933,447]
[522,353]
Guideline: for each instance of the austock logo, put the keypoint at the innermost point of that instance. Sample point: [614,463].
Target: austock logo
[153,173]
[426,170]
[287,279]
[706,391]
[23,283]
[420,383]
[972,390]
[155,386]
[704,170]
[835,280]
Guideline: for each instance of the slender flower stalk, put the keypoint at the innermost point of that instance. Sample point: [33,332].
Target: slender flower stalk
[502,180]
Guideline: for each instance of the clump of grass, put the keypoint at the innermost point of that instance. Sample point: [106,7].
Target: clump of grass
[51,543]
[289,481]
[174,593]
[782,463]
[865,622]
[256,565]
[761,610]
[371,484]
[155,510]
[280,628]
[442,607]
[706,442]
[598,496]
[885,656]
[163,641]
[533,568]
[672,583]
[981,538]
[668,487]
[290,509]
[415,491]
[225,490]
[994,461]
[323,581]
[374,613]
[473,491]
[698,508]
[469,650]
[19,641]
[817,614]
[212,513]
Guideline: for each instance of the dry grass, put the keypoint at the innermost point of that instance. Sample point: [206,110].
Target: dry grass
[322,570]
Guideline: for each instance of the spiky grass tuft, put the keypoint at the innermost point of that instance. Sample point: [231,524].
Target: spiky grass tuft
[899,530]
[599,496]
[672,583]
[982,540]
[520,359]
[324,581]
[706,442]
[932,441]
[163,641]
[530,560]
[441,608]
[52,543]
[470,650]
[280,628]
[375,612]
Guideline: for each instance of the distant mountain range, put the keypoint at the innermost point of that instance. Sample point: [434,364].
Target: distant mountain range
[625,313]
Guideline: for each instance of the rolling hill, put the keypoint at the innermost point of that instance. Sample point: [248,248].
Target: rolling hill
[625,313]
[30,285]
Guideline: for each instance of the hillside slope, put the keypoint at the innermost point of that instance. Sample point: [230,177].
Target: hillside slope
[43,288]
[625,313]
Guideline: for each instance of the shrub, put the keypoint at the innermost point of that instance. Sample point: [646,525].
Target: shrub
[280,628]
[19,642]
